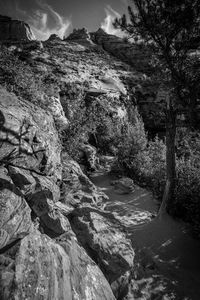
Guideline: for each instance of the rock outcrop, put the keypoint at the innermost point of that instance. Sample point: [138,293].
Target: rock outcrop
[29,138]
[54,37]
[59,237]
[124,185]
[45,269]
[81,36]
[101,234]
[37,195]
[14,30]
[15,214]
[77,190]
[136,55]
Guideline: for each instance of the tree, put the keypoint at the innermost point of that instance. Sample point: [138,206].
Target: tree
[171,28]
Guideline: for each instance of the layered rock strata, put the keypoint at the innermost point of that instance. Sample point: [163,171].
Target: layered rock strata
[39,254]
[14,30]
[136,55]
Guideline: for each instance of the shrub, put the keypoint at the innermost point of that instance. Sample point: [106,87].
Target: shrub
[145,162]
[91,119]
[133,142]
[187,201]
[18,77]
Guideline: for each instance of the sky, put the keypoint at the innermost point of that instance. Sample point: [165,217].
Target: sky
[61,16]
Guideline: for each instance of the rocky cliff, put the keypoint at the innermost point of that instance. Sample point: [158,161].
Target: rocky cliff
[14,30]
[136,55]
[149,96]
[80,36]
[57,240]
[38,192]
[43,191]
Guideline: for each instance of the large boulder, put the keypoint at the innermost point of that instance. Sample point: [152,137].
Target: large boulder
[90,153]
[52,104]
[124,185]
[77,189]
[30,151]
[14,30]
[28,136]
[15,214]
[45,270]
[106,242]
[42,195]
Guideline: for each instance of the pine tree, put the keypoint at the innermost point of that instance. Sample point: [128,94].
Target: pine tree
[171,28]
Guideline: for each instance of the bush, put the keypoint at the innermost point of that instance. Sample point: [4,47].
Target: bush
[187,201]
[142,160]
[18,77]
[145,162]
[91,120]
[133,142]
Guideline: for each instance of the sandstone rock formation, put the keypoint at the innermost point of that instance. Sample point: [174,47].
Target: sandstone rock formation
[57,241]
[28,136]
[15,213]
[77,190]
[134,54]
[101,234]
[37,195]
[124,185]
[45,269]
[53,105]
[91,156]
[80,36]
[54,37]
[13,30]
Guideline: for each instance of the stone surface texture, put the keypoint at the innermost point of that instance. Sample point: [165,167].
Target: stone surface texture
[135,54]
[57,240]
[45,269]
[102,235]
[80,35]
[14,30]
[39,254]
[124,185]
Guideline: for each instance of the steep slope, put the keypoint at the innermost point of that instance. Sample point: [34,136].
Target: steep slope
[32,265]
[57,239]
[41,187]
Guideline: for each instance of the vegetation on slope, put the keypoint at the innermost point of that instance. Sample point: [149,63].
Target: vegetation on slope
[141,158]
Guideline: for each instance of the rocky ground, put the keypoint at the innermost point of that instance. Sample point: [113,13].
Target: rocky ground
[166,262]
[63,235]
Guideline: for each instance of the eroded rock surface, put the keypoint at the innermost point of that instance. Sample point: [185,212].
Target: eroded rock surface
[136,55]
[15,214]
[38,192]
[103,237]
[81,36]
[124,185]
[45,269]
[43,196]
[14,30]
[77,189]
[28,136]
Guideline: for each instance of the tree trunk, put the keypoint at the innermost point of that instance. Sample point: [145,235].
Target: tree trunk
[168,195]
[193,114]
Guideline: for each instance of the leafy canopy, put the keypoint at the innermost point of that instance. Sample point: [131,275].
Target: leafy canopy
[171,28]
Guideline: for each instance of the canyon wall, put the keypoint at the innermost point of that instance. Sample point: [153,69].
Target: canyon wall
[14,30]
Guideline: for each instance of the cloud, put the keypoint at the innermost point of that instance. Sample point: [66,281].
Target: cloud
[44,21]
[125,2]
[107,24]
